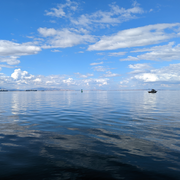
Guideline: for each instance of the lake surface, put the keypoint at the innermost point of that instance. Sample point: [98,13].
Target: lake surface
[90,135]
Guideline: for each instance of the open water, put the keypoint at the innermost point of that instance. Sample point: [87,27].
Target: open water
[90,135]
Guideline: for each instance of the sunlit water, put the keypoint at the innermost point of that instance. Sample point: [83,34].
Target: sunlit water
[90,135]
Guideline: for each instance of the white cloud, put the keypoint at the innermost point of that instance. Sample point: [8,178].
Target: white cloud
[6,66]
[10,52]
[79,30]
[148,77]
[92,64]
[69,81]
[99,82]
[163,77]
[8,48]
[139,66]
[11,60]
[59,11]
[64,38]
[141,36]
[87,82]
[169,74]
[130,58]
[110,74]
[5,80]
[24,80]
[21,75]
[48,32]
[114,16]
[37,80]
[158,53]
[117,54]
[125,82]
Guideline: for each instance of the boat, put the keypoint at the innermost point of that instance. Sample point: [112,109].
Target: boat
[152,91]
[81,90]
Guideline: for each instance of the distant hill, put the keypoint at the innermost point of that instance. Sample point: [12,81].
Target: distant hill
[38,89]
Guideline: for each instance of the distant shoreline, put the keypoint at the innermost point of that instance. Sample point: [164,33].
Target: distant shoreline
[36,90]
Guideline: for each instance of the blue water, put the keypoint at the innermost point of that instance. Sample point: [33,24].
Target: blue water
[90,135]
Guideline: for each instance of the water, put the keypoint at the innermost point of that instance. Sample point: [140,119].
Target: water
[90,135]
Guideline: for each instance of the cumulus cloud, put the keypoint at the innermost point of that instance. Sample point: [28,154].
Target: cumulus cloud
[18,74]
[145,76]
[69,81]
[141,36]
[23,80]
[114,16]
[169,74]
[38,80]
[158,53]
[162,76]
[60,10]
[64,38]
[5,81]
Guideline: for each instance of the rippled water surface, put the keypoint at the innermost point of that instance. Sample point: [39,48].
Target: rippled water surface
[90,135]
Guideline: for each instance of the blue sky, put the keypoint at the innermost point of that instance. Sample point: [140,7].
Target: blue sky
[89,44]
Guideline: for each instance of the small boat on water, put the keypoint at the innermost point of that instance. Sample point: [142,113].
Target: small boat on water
[152,91]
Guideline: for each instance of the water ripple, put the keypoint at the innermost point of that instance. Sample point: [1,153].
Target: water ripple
[95,135]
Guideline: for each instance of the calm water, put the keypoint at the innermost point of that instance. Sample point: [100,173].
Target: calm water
[90,135]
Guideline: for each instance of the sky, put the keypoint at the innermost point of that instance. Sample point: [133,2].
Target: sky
[90,45]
